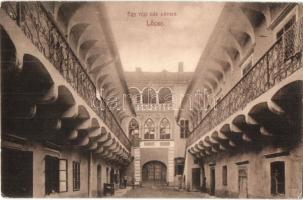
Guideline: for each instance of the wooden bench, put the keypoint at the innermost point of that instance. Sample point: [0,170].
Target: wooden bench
[108,188]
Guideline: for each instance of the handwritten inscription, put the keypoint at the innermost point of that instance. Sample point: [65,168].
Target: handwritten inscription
[152,19]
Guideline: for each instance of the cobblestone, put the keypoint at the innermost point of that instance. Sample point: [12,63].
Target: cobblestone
[163,192]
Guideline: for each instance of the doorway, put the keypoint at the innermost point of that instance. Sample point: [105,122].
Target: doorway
[212,181]
[242,182]
[99,181]
[17,173]
[112,176]
[154,172]
[196,183]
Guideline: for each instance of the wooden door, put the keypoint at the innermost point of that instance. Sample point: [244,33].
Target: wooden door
[99,181]
[212,181]
[242,182]
[196,182]
[154,171]
[17,173]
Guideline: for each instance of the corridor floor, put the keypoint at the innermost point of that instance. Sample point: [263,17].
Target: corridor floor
[162,192]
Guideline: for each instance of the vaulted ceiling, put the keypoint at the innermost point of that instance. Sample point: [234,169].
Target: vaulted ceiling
[87,30]
[232,39]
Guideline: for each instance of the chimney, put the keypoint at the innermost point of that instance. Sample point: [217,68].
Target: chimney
[180,67]
[138,69]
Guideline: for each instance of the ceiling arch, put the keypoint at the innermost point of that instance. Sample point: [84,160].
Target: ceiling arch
[225,65]
[85,46]
[66,12]
[75,32]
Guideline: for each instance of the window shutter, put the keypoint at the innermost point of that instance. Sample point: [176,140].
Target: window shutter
[63,175]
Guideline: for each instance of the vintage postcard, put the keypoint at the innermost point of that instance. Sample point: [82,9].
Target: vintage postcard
[151,99]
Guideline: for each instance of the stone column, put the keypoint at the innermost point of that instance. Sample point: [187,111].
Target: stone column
[170,165]
[137,167]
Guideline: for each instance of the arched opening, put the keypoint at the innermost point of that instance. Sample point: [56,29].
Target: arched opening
[8,60]
[149,96]
[66,12]
[165,96]
[154,172]
[33,67]
[164,129]
[135,95]
[75,33]
[149,129]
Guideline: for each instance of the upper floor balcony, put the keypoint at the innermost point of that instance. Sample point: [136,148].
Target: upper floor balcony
[41,29]
[154,107]
[150,99]
[263,81]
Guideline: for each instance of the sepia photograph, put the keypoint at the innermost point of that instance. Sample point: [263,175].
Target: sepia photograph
[151,99]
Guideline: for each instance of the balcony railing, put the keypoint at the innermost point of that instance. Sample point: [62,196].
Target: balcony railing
[154,107]
[279,62]
[38,26]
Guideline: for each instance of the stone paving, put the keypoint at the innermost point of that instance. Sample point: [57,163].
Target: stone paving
[161,192]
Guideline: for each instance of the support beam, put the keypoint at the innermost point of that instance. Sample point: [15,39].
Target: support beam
[250,120]
[221,147]
[94,132]
[234,128]
[222,136]
[93,146]
[73,135]
[231,143]
[83,142]
[246,138]
[274,108]
[265,132]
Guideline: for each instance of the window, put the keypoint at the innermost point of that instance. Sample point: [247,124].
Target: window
[277,173]
[165,96]
[55,175]
[149,96]
[51,174]
[133,127]
[149,129]
[179,166]
[164,129]
[224,175]
[63,175]
[135,95]
[76,176]
[179,169]
[184,128]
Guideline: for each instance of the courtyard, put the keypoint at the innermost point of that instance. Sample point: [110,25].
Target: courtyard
[169,99]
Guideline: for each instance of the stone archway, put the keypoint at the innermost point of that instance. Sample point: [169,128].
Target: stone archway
[154,172]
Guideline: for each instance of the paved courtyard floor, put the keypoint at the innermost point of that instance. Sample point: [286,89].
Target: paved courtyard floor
[162,192]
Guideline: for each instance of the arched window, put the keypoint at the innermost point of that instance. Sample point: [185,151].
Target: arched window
[164,129]
[165,96]
[135,95]
[133,127]
[149,129]
[149,96]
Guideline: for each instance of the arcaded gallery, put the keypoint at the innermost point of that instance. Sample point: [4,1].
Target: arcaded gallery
[89,108]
